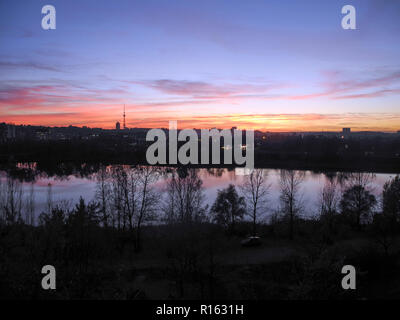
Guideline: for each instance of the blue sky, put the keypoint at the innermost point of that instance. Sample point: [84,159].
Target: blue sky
[274,65]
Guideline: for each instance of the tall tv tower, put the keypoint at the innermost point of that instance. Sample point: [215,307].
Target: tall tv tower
[124,118]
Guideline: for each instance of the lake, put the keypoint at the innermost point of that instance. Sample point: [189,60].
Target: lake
[71,187]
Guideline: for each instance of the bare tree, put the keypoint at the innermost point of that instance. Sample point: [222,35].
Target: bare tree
[290,182]
[131,196]
[103,193]
[256,190]
[184,201]
[329,198]
[49,201]
[2,203]
[30,206]
[119,182]
[391,199]
[148,199]
[134,199]
[11,195]
[328,206]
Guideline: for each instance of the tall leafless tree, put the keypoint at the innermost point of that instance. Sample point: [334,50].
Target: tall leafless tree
[256,189]
[12,200]
[133,198]
[329,198]
[103,193]
[184,201]
[119,183]
[30,206]
[291,206]
[328,205]
[49,200]
[2,203]
[148,199]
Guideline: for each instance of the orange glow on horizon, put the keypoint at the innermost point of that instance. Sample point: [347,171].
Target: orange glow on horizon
[262,122]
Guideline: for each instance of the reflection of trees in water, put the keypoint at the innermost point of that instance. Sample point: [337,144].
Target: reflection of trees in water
[216,172]
[21,174]
[346,179]
[117,183]
[31,172]
[336,177]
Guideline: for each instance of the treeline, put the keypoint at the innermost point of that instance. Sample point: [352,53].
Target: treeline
[357,152]
[105,149]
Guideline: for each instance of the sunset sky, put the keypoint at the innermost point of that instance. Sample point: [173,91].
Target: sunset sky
[279,65]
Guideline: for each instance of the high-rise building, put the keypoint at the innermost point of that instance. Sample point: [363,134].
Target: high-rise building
[346,131]
[117,126]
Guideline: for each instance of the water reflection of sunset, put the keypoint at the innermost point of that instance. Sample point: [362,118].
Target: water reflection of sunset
[72,187]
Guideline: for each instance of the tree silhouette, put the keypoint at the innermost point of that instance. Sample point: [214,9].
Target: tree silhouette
[290,182]
[391,199]
[329,200]
[185,198]
[357,203]
[103,193]
[256,191]
[228,208]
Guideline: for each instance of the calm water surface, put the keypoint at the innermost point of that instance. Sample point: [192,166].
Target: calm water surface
[72,187]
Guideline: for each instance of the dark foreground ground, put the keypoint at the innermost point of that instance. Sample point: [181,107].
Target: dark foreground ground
[196,261]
